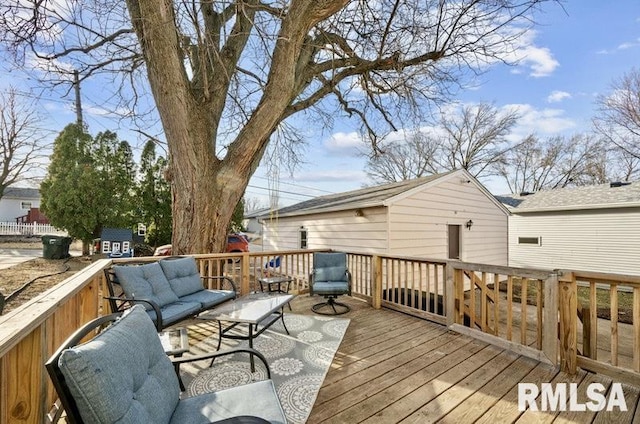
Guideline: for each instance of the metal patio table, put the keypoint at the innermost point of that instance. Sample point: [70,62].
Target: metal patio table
[258,310]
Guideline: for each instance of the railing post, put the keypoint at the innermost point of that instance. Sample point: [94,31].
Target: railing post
[568,300]
[550,319]
[245,287]
[376,282]
[449,294]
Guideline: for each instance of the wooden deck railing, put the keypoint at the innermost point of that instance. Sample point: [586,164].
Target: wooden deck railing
[516,307]
[597,339]
[532,312]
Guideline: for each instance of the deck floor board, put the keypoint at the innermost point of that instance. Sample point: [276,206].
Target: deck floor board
[392,367]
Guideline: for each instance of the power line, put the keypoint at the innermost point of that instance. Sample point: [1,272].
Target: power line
[281,191]
[297,185]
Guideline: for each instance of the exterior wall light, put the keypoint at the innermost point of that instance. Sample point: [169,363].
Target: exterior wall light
[469,224]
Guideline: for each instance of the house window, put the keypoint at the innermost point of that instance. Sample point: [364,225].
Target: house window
[25,206]
[106,246]
[142,229]
[303,238]
[125,247]
[537,241]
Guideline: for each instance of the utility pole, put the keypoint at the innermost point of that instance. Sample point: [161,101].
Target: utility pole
[76,84]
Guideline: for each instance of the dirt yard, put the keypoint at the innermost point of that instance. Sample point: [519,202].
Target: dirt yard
[22,282]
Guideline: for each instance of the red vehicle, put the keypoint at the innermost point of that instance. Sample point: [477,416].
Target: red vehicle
[236,243]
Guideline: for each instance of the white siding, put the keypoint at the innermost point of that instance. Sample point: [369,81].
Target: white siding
[605,240]
[418,223]
[338,230]
[10,208]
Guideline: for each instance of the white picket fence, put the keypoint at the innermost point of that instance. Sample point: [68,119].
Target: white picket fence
[33,229]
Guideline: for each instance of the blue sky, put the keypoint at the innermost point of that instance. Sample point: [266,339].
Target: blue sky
[573,55]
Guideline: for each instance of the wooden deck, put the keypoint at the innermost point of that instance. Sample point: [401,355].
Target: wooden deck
[392,367]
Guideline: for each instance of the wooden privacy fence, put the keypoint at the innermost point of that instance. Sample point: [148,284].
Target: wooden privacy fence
[532,312]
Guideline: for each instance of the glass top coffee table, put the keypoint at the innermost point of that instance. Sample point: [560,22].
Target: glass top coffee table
[258,310]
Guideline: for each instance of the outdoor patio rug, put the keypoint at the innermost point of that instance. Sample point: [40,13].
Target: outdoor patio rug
[299,362]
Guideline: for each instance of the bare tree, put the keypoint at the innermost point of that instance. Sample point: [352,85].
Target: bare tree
[401,161]
[618,118]
[22,140]
[475,139]
[556,162]
[622,166]
[233,71]
[253,204]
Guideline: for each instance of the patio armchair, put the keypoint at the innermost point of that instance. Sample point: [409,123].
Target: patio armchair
[330,278]
[123,375]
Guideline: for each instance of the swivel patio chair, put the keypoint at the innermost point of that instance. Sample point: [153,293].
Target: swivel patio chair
[330,278]
[123,375]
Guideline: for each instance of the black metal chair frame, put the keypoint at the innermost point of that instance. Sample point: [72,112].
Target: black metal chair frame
[66,398]
[331,301]
[342,308]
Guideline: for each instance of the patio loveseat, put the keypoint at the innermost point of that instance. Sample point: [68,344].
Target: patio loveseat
[171,289]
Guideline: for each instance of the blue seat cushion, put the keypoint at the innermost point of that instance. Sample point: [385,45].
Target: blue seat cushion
[122,374]
[183,275]
[330,287]
[145,282]
[257,399]
[175,312]
[209,298]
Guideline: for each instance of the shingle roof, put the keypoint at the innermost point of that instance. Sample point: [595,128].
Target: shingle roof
[117,234]
[355,199]
[21,193]
[610,195]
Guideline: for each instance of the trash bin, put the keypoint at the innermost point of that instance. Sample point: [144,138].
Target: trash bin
[55,247]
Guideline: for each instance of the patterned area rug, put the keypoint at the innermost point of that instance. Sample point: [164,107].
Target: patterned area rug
[299,362]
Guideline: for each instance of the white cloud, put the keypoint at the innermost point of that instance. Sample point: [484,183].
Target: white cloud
[333,175]
[629,44]
[544,122]
[539,60]
[622,46]
[341,144]
[558,96]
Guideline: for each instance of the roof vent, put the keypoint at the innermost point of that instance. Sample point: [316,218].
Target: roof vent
[525,193]
[618,184]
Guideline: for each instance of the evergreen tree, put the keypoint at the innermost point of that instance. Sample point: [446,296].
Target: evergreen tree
[88,184]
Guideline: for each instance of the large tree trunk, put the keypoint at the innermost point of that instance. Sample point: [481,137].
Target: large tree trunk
[205,188]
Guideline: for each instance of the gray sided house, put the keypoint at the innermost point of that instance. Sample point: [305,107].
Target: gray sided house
[441,216]
[593,228]
[117,242]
